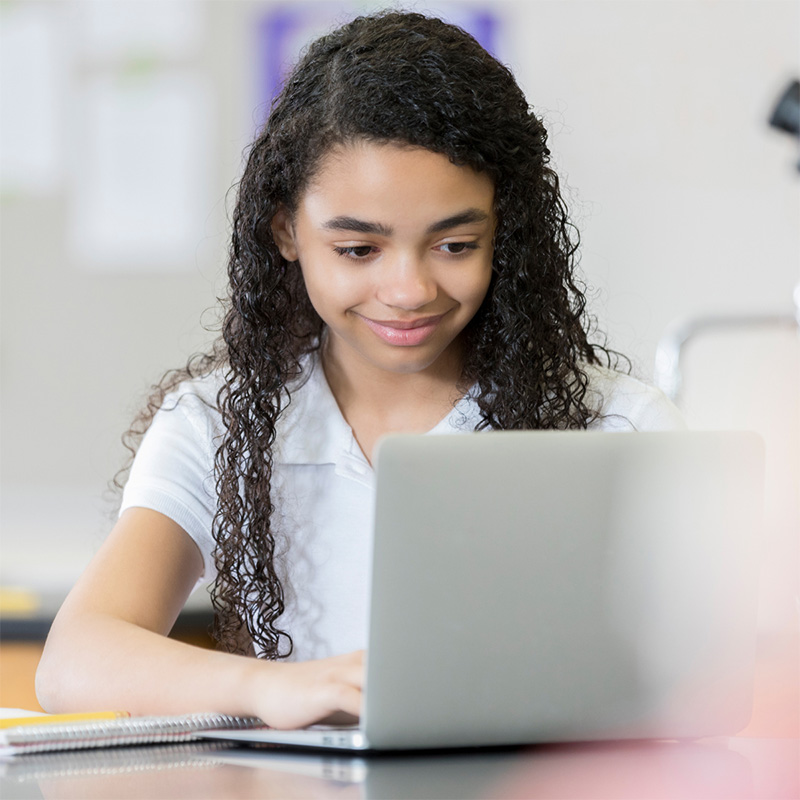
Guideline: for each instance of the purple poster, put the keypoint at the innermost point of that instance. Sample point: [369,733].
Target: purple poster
[285,29]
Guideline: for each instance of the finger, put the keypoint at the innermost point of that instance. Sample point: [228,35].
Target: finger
[345,698]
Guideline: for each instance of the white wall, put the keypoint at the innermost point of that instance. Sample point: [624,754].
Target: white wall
[687,203]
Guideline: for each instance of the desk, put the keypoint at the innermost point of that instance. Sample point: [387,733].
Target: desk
[723,768]
[759,764]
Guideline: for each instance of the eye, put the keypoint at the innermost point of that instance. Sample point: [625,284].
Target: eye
[458,248]
[357,253]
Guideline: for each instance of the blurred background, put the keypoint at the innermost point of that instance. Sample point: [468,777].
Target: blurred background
[122,128]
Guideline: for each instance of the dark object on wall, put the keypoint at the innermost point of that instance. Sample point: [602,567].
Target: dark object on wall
[786,115]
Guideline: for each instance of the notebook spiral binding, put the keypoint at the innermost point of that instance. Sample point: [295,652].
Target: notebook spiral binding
[111,733]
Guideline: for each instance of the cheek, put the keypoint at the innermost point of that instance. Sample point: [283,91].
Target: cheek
[474,287]
[333,290]
[486,281]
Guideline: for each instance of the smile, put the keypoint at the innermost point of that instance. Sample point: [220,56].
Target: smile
[404,333]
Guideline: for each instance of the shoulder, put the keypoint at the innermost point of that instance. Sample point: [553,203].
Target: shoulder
[196,392]
[193,403]
[193,406]
[187,423]
[625,403]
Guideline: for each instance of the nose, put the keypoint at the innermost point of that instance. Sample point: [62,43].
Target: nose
[407,283]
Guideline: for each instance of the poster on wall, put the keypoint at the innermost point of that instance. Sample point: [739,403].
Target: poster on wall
[286,29]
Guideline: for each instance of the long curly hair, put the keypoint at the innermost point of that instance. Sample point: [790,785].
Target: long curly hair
[390,77]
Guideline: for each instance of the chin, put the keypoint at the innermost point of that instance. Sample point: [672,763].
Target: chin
[405,361]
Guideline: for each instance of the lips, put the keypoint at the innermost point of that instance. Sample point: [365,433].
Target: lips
[404,333]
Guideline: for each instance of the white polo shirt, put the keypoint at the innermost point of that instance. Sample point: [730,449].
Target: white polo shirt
[322,489]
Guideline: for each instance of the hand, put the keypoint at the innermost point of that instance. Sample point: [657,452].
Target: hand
[293,695]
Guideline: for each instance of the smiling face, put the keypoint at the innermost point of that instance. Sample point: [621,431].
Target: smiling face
[395,247]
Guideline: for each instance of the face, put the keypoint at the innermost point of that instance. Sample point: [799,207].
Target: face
[395,247]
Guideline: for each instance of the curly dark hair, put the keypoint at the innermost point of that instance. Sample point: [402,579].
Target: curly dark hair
[390,77]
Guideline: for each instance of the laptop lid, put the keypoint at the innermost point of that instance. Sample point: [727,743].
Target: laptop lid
[554,586]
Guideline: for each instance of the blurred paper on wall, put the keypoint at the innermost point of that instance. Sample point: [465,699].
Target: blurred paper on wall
[139,194]
[168,29]
[33,56]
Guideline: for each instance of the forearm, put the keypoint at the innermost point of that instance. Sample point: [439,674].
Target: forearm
[95,661]
[102,662]
[108,647]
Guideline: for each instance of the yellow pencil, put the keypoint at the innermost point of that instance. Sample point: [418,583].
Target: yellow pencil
[52,719]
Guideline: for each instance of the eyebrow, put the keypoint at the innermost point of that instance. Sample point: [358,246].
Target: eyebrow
[357,225]
[470,216]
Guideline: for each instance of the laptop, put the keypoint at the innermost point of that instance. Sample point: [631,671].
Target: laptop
[545,586]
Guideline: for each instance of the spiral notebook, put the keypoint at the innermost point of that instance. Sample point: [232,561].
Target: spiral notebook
[49,737]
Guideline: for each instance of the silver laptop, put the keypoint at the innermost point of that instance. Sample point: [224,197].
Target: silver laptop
[557,586]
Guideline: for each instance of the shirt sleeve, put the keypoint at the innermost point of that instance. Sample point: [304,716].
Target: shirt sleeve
[173,471]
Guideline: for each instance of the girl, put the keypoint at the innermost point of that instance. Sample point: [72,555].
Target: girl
[401,260]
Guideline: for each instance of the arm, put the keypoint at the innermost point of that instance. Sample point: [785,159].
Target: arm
[108,646]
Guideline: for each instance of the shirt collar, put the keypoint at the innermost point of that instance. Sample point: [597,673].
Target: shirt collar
[312,430]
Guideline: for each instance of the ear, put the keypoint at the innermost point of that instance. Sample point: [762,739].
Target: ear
[283,233]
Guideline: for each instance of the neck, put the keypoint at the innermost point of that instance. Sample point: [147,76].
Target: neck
[375,401]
